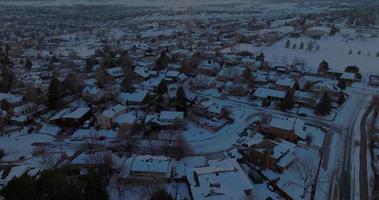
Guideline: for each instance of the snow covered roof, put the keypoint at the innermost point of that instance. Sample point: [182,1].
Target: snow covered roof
[151,164]
[142,71]
[115,72]
[290,124]
[283,147]
[110,112]
[136,97]
[93,90]
[126,118]
[348,76]
[286,82]
[170,116]
[222,179]
[282,124]
[10,98]
[267,92]
[172,74]
[71,113]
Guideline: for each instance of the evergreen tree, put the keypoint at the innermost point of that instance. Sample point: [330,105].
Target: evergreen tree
[352,69]
[342,84]
[288,101]
[333,30]
[323,67]
[28,64]
[301,45]
[161,195]
[72,84]
[7,79]
[341,99]
[55,93]
[127,83]
[248,77]
[18,188]
[56,184]
[162,61]
[94,186]
[181,100]
[260,57]
[325,105]
[288,44]
[162,88]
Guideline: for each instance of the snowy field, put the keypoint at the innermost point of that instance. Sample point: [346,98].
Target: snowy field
[335,50]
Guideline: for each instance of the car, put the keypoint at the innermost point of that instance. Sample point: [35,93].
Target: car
[302,114]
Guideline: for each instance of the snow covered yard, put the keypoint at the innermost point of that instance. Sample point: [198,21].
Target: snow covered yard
[20,145]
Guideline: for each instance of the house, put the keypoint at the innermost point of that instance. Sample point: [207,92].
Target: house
[23,114]
[12,99]
[276,155]
[236,89]
[126,121]
[305,99]
[172,76]
[106,118]
[317,32]
[348,77]
[209,108]
[170,117]
[151,166]
[88,160]
[92,93]
[115,72]
[286,83]
[203,82]
[72,117]
[230,74]
[271,94]
[209,68]
[288,129]
[222,179]
[142,73]
[135,98]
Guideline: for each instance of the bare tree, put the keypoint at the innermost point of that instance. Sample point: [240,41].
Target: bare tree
[306,175]
[181,148]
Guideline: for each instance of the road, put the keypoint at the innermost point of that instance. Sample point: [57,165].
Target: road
[363,177]
[347,177]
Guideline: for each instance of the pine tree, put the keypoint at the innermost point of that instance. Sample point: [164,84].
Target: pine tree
[248,77]
[162,88]
[333,30]
[22,187]
[341,99]
[28,64]
[55,93]
[7,79]
[323,67]
[181,100]
[288,44]
[301,45]
[342,84]
[325,105]
[94,186]
[288,101]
